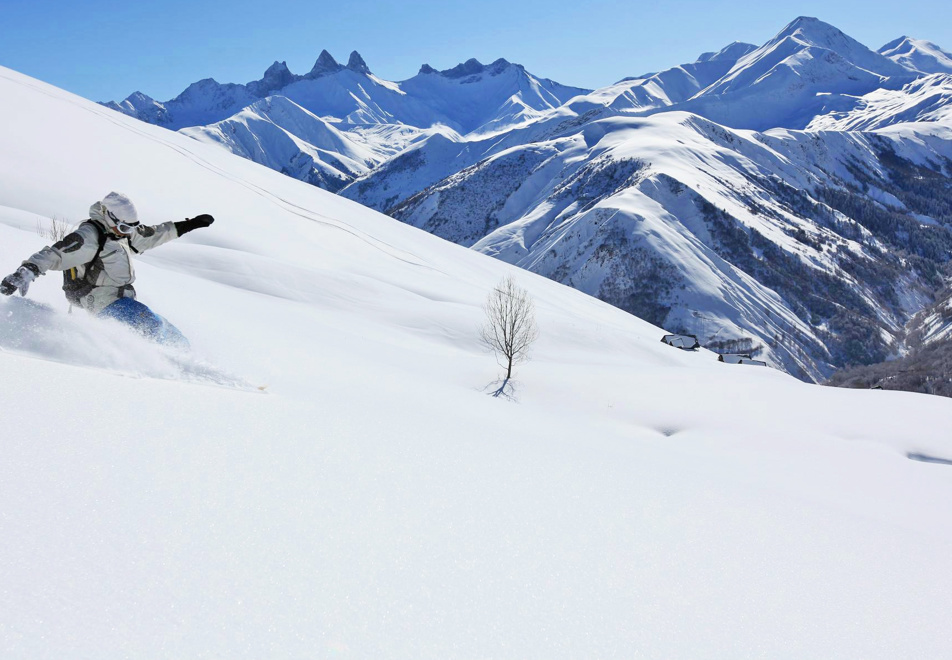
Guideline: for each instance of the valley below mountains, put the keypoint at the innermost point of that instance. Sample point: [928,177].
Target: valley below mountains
[791,200]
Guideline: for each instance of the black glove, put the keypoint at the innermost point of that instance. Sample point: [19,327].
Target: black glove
[185,226]
[19,280]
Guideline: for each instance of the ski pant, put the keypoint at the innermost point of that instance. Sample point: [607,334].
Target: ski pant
[144,321]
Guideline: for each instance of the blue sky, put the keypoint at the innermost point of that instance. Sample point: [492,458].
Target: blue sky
[106,49]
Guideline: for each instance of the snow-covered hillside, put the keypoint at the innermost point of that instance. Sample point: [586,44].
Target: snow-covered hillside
[281,135]
[375,502]
[933,325]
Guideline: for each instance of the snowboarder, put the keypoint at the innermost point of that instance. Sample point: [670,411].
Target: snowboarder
[96,261]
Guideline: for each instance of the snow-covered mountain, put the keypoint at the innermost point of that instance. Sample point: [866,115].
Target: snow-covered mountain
[927,99]
[798,74]
[918,55]
[637,501]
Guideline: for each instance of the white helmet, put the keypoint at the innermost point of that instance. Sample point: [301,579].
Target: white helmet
[119,210]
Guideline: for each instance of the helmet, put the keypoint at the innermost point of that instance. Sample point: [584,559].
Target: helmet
[119,212]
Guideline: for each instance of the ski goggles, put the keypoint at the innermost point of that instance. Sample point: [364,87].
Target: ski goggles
[125,228]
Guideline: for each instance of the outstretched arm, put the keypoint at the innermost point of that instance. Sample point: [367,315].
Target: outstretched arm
[146,237]
[75,249]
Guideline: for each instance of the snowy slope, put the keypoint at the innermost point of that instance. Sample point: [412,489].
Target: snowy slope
[278,133]
[918,55]
[638,500]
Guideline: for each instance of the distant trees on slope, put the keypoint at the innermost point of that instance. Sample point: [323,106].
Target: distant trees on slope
[929,371]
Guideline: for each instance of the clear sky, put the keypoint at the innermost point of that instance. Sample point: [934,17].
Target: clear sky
[106,49]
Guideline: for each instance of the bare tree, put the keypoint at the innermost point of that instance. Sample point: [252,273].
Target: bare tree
[57,231]
[510,326]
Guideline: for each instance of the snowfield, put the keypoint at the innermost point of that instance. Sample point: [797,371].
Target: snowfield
[372,501]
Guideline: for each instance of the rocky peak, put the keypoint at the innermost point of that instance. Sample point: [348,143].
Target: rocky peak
[275,77]
[356,63]
[470,67]
[277,70]
[325,64]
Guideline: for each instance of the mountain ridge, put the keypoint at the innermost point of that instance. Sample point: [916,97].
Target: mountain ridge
[358,97]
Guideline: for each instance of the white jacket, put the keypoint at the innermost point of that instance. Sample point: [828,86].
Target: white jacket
[109,277]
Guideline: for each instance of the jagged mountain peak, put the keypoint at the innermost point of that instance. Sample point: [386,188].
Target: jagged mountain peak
[356,63]
[325,64]
[277,71]
[275,77]
[471,67]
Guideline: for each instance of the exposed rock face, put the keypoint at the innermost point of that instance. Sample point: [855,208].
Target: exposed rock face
[324,65]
